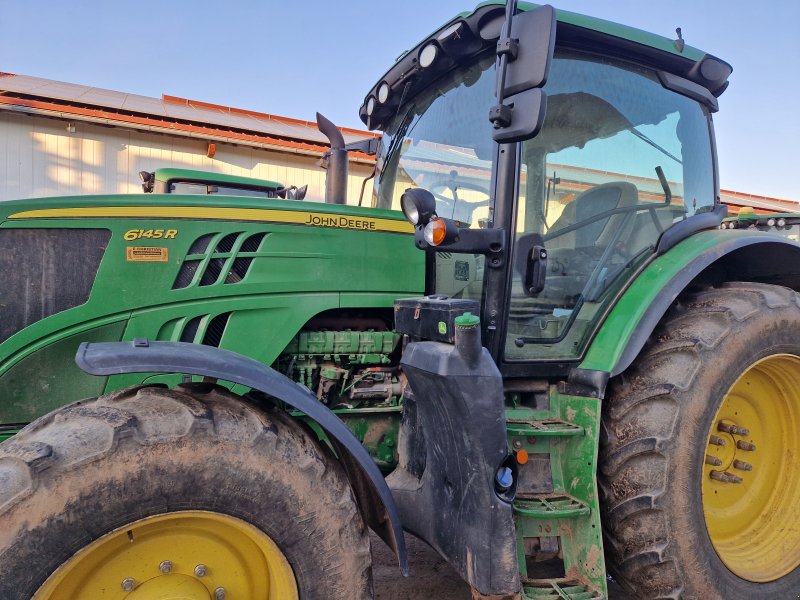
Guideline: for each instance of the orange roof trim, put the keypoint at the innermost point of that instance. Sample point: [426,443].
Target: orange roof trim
[170,124]
[258,115]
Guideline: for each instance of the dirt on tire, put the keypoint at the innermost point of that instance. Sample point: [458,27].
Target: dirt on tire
[655,426]
[94,466]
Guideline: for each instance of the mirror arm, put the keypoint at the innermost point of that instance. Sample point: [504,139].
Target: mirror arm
[507,48]
[489,242]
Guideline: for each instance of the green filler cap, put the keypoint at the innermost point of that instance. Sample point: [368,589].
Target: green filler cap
[467,320]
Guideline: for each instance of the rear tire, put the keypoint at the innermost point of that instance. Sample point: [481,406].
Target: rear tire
[730,356]
[181,470]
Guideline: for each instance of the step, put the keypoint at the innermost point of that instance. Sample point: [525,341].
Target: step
[560,589]
[543,427]
[549,506]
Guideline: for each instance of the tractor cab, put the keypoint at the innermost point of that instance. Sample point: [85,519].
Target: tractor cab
[618,153]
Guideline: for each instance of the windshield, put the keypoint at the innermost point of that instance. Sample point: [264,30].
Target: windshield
[441,141]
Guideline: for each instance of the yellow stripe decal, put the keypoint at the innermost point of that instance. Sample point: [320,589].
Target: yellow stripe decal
[313,219]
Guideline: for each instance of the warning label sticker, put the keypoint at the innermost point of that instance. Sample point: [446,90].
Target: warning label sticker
[146,254]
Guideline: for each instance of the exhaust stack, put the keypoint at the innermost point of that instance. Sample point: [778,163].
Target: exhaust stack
[336,178]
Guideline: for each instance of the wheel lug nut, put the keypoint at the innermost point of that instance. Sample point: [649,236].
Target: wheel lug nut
[128,584]
[219,593]
[746,446]
[742,466]
[165,566]
[716,440]
[713,461]
[725,477]
[732,429]
[200,570]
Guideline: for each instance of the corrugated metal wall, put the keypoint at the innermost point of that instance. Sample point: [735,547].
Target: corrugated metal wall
[39,157]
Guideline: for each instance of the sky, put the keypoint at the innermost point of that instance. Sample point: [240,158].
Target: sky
[293,58]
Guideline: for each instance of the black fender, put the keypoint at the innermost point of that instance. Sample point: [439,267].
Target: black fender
[141,356]
[756,257]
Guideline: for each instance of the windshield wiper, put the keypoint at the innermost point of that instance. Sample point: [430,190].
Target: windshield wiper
[400,135]
[647,140]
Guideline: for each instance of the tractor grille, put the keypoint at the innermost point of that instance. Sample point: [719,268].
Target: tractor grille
[218,259]
[46,271]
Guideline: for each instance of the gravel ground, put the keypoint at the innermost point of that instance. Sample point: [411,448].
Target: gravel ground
[431,576]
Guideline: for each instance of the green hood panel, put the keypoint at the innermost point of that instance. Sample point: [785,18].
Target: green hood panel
[242,273]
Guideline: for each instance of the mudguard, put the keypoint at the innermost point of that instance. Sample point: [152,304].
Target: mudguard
[141,356]
[732,255]
[452,444]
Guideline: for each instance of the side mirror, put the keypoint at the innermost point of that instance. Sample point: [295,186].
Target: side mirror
[527,116]
[534,32]
[148,181]
[525,57]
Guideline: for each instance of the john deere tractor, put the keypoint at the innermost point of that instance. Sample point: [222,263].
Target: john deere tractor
[553,365]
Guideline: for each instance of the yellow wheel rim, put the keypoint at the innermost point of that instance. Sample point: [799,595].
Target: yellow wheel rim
[190,555]
[751,476]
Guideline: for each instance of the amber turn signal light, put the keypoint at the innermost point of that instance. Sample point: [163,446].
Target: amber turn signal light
[439,231]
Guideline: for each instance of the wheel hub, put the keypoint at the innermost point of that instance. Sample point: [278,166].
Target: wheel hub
[173,587]
[751,475]
[188,555]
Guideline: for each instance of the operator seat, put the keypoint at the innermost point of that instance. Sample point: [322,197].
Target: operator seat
[592,202]
[572,258]
[587,204]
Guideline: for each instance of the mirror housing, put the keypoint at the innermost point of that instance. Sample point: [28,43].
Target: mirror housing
[527,116]
[534,32]
[524,58]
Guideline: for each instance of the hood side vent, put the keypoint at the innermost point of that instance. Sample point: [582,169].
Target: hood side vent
[186,274]
[200,245]
[216,327]
[190,330]
[229,262]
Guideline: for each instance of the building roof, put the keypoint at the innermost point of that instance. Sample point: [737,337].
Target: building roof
[180,116]
[193,118]
[760,203]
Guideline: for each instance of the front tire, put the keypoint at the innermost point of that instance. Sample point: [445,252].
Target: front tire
[155,492]
[700,451]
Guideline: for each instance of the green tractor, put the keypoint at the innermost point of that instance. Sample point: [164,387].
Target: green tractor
[188,181]
[781,223]
[553,365]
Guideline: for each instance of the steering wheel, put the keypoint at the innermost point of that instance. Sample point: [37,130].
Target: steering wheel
[440,185]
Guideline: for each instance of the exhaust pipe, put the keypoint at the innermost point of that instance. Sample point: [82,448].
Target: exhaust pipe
[336,178]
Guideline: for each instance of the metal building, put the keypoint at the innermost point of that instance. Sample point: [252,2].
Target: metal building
[61,138]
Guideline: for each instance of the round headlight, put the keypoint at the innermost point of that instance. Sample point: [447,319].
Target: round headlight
[428,54]
[770,222]
[450,31]
[418,205]
[781,222]
[410,209]
[370,105]
[383,92]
